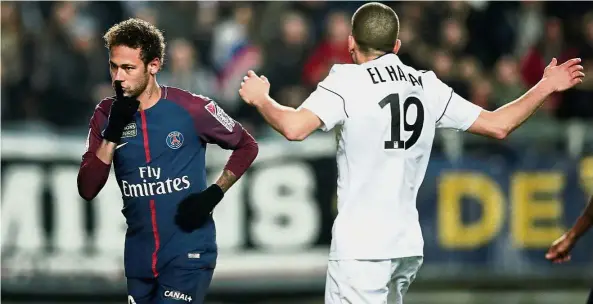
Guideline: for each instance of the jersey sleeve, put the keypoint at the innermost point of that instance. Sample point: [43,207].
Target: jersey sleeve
[93,173]
[327,101]
[214,125]
[452,110]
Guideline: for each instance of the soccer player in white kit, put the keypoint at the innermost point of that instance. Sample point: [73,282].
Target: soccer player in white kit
[385,114]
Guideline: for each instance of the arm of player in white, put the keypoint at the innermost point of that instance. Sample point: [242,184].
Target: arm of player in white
[461,114]
[504,120]
[293,124]
[324,108]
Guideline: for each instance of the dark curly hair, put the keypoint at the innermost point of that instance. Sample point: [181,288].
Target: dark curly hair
[136,33]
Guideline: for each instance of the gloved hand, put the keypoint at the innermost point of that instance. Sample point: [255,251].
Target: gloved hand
[122,112]
[195,209]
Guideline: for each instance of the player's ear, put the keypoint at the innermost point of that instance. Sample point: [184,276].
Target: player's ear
[398,44]
[351,43]
[154,66]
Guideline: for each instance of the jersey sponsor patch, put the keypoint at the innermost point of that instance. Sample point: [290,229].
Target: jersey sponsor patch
[220,115]
[130,130]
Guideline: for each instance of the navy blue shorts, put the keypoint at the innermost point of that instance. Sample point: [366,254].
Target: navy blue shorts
[184,280]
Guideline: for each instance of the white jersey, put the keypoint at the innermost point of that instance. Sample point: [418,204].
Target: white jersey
[385,114]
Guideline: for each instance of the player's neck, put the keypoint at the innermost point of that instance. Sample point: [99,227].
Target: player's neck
[362,58]
[150,96]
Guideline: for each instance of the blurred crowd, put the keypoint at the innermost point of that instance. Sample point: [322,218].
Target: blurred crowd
[54,67]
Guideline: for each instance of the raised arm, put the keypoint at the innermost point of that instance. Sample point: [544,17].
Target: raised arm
[324,108]
[96,161]
[504,120]
[100,147]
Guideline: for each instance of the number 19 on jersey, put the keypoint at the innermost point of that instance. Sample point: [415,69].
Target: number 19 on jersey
[395,141]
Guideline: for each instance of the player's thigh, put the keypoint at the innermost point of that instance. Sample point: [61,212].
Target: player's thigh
[191,286]
[404,271]
[186,281]
[357,281]
[141,291]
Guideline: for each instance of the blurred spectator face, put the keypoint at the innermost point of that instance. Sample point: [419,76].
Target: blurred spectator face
[127,66]
[64,12]
[554,30]
[7,13]
[294,30]
[243,14]
[588,27]
[507,71]
[442,64]
[481,91]
[338,27]
[182,55]
[412,11]
[457,6]
[453,33]
[468,68]
[405,33]
[147,14]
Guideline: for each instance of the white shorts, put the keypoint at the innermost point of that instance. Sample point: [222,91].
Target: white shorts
[370,281]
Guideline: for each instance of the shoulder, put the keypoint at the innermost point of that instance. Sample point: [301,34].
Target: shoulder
[196,104]
[104,106]
[101,112]
[340,77]
[184,98]
[344,71]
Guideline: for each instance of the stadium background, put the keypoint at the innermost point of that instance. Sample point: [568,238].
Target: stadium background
[489,209]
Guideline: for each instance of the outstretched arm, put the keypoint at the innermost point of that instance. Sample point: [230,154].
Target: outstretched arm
[504,120]
[293,124]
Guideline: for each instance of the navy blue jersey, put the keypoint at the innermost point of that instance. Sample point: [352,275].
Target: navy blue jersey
[159,161]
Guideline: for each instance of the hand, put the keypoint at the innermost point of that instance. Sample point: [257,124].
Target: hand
[565,76]
[559,252]
[122,112]
[194,210]
[254,89]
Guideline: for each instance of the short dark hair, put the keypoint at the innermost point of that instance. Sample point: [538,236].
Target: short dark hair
[136,33]
[375,27]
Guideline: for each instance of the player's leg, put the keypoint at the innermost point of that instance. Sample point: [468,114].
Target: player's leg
[404,272]
[357,281]
[141,291]
[590,299]
[186,280]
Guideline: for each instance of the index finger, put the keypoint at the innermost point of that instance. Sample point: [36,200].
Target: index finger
[572,62]
[119,91]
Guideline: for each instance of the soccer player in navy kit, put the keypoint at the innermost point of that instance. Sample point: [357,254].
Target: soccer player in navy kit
[156,138]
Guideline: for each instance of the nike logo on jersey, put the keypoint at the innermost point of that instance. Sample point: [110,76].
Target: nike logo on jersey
[120,145]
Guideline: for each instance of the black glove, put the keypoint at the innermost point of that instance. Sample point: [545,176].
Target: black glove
[195,209]
[122,112]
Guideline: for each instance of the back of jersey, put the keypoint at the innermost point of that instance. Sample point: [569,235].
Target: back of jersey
[385,114]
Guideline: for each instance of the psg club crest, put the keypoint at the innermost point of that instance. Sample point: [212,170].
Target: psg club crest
[174,140]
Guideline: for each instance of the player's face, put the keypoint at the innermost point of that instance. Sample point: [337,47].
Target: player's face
[126,65]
